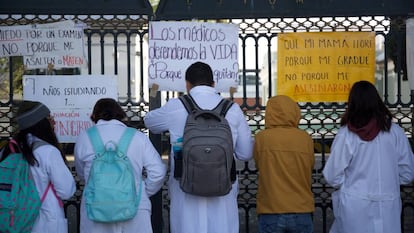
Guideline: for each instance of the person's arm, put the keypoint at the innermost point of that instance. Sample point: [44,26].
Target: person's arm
[256,153]
[80,151]
[59,174]
[244,140]
[158,120]
[338,161]
[154,166]
[405,159]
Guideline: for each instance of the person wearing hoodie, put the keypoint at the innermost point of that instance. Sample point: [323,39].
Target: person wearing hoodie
[370,158]
[284,157]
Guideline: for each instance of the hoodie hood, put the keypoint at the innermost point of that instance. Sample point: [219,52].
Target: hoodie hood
[282,111]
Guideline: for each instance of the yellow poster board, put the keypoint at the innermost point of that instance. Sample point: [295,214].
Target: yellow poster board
[322,66]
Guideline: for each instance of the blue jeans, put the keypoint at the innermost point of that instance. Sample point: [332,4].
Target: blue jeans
[285,223]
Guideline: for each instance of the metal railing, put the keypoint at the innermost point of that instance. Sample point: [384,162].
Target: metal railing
[116,45]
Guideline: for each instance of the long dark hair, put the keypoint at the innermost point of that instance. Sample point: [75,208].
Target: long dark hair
[364,103]
[42,130]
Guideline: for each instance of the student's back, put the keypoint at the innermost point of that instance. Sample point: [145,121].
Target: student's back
[284,158]
[107,115]
[192,213]
[47,165]
[370,158]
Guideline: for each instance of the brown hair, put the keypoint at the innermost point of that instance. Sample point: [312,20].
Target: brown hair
[364,103]
[107,109]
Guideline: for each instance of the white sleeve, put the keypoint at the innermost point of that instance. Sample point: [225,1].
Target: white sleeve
[405,159]
[59,174]
[157,120]
[244,140]
[154,166]
[79,152]
[338,161]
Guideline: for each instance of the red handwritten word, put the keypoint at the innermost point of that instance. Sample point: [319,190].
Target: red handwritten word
[71,128]
[72,60]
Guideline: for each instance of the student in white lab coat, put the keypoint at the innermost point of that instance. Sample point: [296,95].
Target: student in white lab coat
[53,180]
[370,158]
[191,213]
[108,115]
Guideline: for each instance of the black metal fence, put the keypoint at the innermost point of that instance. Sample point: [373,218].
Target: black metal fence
[116,44]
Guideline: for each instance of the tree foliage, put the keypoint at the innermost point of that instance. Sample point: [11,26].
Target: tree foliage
[14,66]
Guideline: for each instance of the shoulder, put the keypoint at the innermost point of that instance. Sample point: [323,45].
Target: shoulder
[47,154]
[235,110]
[82,136]
[396,130]
[343,130]
[171,105]
[342,134]
[395,127]
[172,102]
[44,147]
[137,133]
[304,134]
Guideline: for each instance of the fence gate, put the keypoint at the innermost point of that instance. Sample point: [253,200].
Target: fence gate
[116,43]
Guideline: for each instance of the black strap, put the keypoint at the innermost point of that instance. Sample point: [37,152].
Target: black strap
[225,106]
[189,103]
[191,106]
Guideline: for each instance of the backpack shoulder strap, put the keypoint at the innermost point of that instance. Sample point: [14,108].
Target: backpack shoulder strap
[13,145]
[13,148]
[96,140]
[125,139]
[50,186]
[223,107]
[189,103]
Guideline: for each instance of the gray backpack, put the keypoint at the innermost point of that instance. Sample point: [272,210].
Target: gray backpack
[208,163]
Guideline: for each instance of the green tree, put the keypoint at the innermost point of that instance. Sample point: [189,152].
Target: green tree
[17,72]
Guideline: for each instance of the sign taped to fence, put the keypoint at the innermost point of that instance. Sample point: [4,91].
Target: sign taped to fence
[70,99]
[174,46]
[59,44]
[322,66]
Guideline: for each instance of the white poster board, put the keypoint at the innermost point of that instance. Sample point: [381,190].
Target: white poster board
[13,40]
[70,99]
[58,44]
[174,46]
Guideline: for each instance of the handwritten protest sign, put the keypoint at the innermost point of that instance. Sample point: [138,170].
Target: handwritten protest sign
[13,40]
[322,66]
[57,44]
[173,46]
[70,98]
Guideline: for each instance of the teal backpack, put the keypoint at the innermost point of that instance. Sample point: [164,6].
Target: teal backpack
[19,200]
[110,192]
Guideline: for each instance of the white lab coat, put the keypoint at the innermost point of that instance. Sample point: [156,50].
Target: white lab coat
[368,175]
[52,169]
[189,213]
[142,154]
